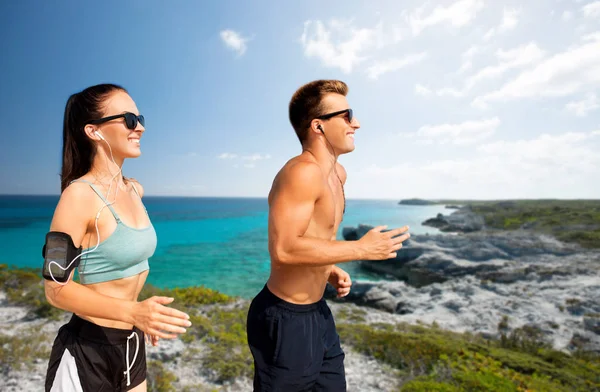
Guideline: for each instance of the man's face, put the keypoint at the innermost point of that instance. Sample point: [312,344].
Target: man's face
[338,130]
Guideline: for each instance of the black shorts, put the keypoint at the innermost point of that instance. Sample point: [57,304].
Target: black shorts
[295,347]
[87,357]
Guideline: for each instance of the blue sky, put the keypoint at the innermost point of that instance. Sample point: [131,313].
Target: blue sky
[457,99]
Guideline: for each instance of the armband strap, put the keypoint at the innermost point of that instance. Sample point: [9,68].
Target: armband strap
[59,253]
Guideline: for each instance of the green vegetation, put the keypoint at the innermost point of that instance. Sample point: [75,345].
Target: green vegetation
[437,360]
[417,202]
[224,334]
[351,315]
[425,358]
[221,329]
[228,353]
[25,287]
[159,379]
[22,350]
[575,221]
[188,298]
[568,220]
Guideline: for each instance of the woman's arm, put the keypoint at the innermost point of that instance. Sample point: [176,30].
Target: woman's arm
[73,216]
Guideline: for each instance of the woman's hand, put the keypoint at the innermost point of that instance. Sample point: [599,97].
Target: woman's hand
[158,320]
[151,339]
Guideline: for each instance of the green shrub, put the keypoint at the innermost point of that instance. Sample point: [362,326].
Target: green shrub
[25,287]
[158,378]
[228,355]
[419,385]
[21,349]
[465,362]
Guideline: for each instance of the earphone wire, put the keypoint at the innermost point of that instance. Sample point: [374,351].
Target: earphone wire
[95,221]
[334,166]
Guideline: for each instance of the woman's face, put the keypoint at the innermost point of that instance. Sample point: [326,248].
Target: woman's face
[124,142]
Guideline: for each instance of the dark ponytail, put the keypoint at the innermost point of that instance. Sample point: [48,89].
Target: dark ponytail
[78,150]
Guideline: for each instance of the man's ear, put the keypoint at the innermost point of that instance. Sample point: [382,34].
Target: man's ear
[316,126]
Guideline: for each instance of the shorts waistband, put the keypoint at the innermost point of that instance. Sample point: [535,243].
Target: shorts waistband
[272,299]
[99,334]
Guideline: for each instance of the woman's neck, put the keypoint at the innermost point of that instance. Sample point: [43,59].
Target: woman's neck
[106,171]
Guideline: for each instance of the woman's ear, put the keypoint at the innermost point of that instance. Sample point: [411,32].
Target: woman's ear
[92,133]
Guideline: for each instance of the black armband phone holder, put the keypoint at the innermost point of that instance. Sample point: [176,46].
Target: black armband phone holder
[58,253]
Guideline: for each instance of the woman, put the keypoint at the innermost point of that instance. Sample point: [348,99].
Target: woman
[99,348]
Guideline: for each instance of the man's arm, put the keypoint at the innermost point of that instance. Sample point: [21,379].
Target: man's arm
[292,207]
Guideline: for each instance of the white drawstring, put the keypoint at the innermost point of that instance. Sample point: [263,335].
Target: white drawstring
[137,346]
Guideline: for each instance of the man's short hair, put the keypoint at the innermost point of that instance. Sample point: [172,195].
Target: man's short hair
[306,103]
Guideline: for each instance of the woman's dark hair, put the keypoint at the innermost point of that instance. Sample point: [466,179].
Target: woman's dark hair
[78,150]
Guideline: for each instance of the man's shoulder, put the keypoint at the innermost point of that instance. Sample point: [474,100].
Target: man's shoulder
[298,175]
[300,168]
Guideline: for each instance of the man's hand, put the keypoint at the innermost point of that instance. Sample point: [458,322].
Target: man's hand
[340,280]
[379,245]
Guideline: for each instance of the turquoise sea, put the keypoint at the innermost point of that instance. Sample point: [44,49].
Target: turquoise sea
[220,243]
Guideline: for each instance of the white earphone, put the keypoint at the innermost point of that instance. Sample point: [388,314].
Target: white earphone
[99,135]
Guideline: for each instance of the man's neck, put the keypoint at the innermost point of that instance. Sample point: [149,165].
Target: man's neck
[323,154]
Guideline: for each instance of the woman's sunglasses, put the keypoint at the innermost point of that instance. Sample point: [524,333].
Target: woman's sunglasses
[328,116]
[131,120]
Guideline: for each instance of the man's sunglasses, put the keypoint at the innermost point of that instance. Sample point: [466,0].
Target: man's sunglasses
[131,120]
[329,115]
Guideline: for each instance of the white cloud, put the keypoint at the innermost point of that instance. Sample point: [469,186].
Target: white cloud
[234,41]
[567,151]
[457,14]
[465,66]
[563,166]
[256,157]
[248,157]
[490,33]
[518,57]
[582,107]
[340,44]
[508,59]
[567,15]
[565,73]
[422,90]
[467,58]
[249,165]
[510,19]
[591,37]
[472,51]
[450,92]
[592,10]
[467,132]
[381,67]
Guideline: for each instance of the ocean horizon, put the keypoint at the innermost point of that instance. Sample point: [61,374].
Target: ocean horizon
[217,242]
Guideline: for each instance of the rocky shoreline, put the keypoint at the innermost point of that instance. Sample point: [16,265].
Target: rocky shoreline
[489,281]
[473,280]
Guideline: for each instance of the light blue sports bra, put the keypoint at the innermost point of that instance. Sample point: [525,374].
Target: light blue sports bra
[124,253]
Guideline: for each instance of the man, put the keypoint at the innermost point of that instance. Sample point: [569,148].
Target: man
[291,331]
